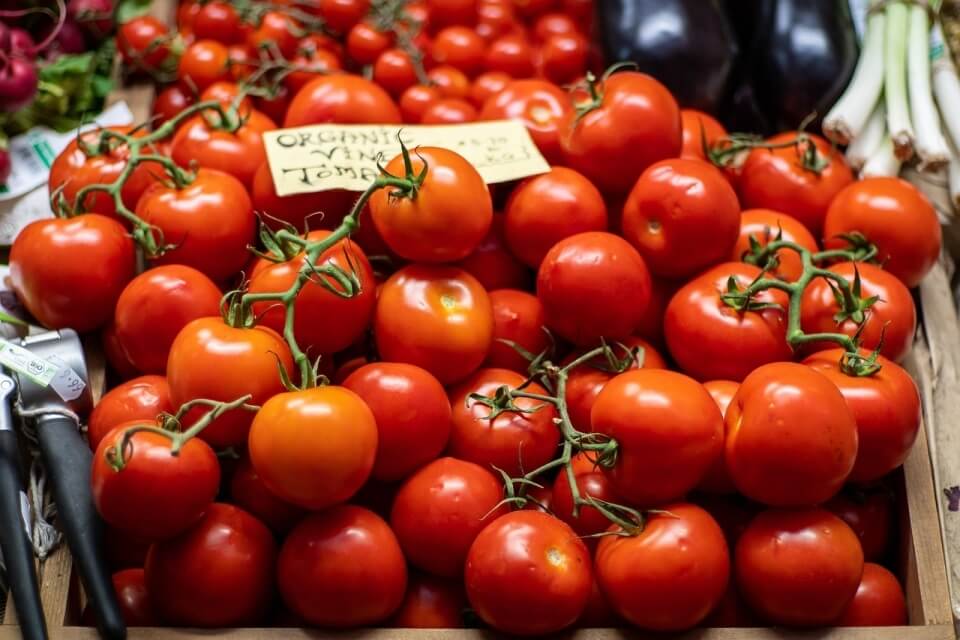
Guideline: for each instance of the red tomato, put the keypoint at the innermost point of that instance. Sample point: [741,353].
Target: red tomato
[155,306]
[635,123]
[416,100]
[210,359]
[528,573]
[598,614]
[495,19]
[131,589]
[764,226]
[731,612]
[226,93]
[870,515]
[435,317]
[892,318]
[564,57]
[277,31]
[365,43]
[593,285]
[717,479]
[342,14]
[547,208]
[203,63]
[670,575]
[238,153]
[798,567]
[886,407]
[445,219]
[651,326]
[697,128]
[242,61]
[141,42]
[540,105]
[431,603]
[314,448]
[157,494]
[459,47]
[324,322]
[533,8]
[220,573]
[450,82]
[493,265]
[791,439]
[488,84]
[711,340]
[412,413]
[585,382]
[169,102]
[448,12]
[218,21]
[878,602]
[669,431]
[439,511]
[776,179]
[73,170]
[554,24]
[591,483]
[895,216]
[324,209]
[514,441]
[449,111]
[113,352]
[69,272]
[344,99]
[394,71]
[315,54]
[518,317]
[187,13]
[512,54]
[683,216]
[142,398]
[123,550]
[210,222]
[248,491]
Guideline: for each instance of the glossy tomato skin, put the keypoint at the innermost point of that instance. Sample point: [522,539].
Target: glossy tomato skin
[342,14]
[563,58]
[155,306]
[450,82]
[248,492]
[323,321]
[219,21]
[157,494]
[545,209]
[878,602]
[528,573]
[365,43]
[203,63]
[798,567]
[219,573]
[492,263]
[671,575]
[895,216]
[445,219]
[487,84]
[591,482]
[314,448]
[278,30]
[892,318]
[412,413]
[711,340]
[210,221]
[435,317]
[316,54]
[512,54]
[540,105]
[698,126]
[114,355]
[416,100]
[431,603]
[69,272]
[440,509]
[394,71]
[669,432]
[636,124]
[169,102]
[513,441]
[135,41]
[131,589]
[764,225]
[791,438]
[238,153]
[322,209]
[717,479]
[886,407]
[142,398]
[210,359]
[449,111]
[585,382]
[342,568]
[870,514]
[593,285]
[459,47]
[682,216]
[341,98]
[776,179]
[517,317]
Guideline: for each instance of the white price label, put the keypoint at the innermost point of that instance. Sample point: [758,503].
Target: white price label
[23,361]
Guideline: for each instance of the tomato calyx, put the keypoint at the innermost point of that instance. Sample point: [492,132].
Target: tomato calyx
[594,88]
[170,425]
[728,151]
[391,16]
[409,185]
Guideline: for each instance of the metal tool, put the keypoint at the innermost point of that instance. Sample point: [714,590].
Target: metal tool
[53,409]
[14,537]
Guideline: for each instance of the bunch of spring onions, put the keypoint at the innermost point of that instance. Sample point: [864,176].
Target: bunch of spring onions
[889,114]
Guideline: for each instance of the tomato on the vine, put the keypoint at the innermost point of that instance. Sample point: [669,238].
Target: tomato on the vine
[341,15]
[142,42]
[459,47]
[142,398]
[717,479]
[452,12]
[431,603]
[276,30]
[699,127]
[365,43]
[564,57]
[248,491]
[169,102]
[394,70]
[203,63]
[315,58]
[766,226]
[512,54]
[518,317]
[487,84]
[218,21]
[591,483]
[344,99]
[238,153]
[540,105]
[415,101]
[450,81]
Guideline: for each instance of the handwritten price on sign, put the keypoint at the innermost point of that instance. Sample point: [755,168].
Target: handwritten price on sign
[324,157]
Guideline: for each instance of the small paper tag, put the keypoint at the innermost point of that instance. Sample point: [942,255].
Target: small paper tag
[334,156]
[67,383]
[24,362]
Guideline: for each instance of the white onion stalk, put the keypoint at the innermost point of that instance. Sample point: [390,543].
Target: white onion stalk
[848,117]
[895,79]
[883,162]
[869,138]
[946,84]
[953,183]
[930,145]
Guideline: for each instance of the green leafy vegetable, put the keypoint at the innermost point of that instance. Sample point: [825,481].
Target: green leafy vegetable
[127,10]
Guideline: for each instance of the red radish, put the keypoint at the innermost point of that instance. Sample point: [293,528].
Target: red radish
[4,164]
[68,40]
[18,83]
[21,42]
[95,16]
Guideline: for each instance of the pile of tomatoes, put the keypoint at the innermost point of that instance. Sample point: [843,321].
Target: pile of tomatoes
[587,398]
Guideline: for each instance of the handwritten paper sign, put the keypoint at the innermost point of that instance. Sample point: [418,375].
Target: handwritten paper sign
[336,156]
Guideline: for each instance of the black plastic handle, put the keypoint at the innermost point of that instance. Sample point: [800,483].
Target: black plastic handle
[68,460]
[17,550]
